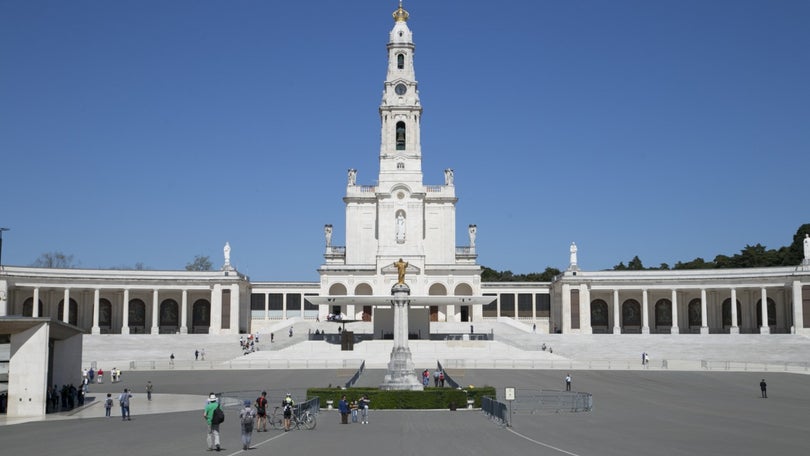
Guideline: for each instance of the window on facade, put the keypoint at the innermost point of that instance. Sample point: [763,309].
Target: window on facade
[275,301]
[507,305]
[400,135]
[542,305]
[491,309]
[400,165]
[294,305]
[599,313]
[663,313]
[257,301]
[400,61]
[525,305]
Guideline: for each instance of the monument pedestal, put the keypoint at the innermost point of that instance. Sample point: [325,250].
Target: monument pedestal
[401,373]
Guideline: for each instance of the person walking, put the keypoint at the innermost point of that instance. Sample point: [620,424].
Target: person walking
[568,382]
[212,439]
[343,407]
[763,387]
[246,417]
[261,412]
[149,390]
[196,355]
[123,400]
[287,405]
[108,405]
[171,359]
[363,405]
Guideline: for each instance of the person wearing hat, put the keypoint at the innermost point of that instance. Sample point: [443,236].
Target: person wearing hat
[213,429]
[246,417]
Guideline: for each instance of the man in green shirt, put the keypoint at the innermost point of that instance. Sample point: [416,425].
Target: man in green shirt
[213,429]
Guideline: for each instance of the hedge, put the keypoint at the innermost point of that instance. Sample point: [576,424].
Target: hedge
[430,398]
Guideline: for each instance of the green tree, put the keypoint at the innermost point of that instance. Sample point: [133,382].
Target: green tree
[200,263]
[57,260]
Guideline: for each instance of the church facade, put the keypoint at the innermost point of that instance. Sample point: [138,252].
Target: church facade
[402,218]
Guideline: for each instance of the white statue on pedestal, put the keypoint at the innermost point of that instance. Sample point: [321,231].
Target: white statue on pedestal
[573,260]
[472,230]
[352,176]
[807,248]
[448,177]
[400,227]
[327,232]
[227,251]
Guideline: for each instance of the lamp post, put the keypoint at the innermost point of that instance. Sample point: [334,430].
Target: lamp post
[1,245]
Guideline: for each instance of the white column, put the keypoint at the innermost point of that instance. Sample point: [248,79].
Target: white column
[798,310]
[645,312]
[267,306]
[216,310]
[735,329]
[764,329]
[585,309]
[235,309]
[704,315]
[674,329]
[95,329]
[498,306]
[184,312]
[566,308]
[617,313]
[66,306]
[155,329]
[515,305]
[4,298]
[35,304]
[125,313]
[284,308]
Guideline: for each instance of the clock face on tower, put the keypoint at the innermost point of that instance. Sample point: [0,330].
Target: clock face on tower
[400,89]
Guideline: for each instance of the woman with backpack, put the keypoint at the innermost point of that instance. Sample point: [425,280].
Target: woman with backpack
[246,417]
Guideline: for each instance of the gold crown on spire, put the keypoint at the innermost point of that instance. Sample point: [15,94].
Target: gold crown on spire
[400,15]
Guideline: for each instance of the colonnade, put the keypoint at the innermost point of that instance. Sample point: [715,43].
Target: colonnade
[216,316]
[577,308]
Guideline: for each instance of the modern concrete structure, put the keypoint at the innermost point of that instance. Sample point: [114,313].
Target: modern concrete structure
[401,216]
[42,352]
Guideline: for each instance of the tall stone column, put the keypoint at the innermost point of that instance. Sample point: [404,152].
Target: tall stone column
[798,310]
[95,329]
[125,313]
[704,315]
[674,329]
[216,310]
[66,306]
[184,312]
[35,304]
[617,313]
[764,329]
[735,329]
[155,329]
[645,311]
[4,298]
[566,308]
[401,373]
[584,309]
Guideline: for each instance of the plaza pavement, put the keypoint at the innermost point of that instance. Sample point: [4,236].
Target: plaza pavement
[635,413]
[689,410]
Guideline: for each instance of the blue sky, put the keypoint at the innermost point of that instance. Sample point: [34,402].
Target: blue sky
[153,131]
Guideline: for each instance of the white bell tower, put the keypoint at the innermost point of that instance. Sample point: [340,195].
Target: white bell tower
[400,217]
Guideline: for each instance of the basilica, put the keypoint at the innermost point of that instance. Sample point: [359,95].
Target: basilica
[402,219]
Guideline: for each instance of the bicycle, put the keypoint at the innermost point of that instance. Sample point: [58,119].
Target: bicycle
[276,419]
[304,419]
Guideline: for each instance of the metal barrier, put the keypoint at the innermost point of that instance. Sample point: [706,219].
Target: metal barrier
[531,401]
[356,375]
[496,411]
[230,399]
